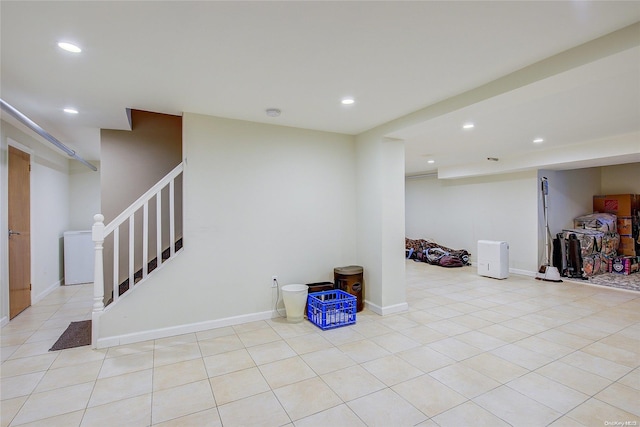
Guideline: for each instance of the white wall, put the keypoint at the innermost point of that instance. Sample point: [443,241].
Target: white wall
[458,213]
[259,200]
[84,195]
[570,195]
[49,221]
[620,179]
[49,214]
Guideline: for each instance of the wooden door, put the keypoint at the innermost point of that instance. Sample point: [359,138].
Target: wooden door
[19,232]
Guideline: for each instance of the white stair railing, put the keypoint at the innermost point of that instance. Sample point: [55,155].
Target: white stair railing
[100,232]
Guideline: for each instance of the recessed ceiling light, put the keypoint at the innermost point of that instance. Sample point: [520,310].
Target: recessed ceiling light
[538,140]
[69,47]
[347,101]
[431,161]
[71,110]
[468,126]
[273,112]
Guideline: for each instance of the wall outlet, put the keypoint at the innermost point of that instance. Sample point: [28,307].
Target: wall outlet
[274,281]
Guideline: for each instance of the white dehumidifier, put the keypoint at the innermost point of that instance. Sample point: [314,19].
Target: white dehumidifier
[493,259]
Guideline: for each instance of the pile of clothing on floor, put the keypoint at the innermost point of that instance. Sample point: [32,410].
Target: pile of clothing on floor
[434,253]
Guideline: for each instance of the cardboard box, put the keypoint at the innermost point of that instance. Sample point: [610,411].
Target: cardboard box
[624,265]
[627,246]
[624,225]
[617,204]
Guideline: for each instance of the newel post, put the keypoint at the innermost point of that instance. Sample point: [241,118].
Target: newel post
[97,233]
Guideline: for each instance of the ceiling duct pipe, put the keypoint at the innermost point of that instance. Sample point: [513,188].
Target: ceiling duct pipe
[46,135]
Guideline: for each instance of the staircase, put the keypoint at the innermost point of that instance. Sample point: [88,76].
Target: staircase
[151,265]
[138,253]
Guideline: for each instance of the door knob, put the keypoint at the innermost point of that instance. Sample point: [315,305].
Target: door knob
[11,232]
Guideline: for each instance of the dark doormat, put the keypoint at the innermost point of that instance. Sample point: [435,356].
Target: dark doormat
[76,335]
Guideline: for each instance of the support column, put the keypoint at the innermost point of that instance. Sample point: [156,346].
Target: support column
[380,239]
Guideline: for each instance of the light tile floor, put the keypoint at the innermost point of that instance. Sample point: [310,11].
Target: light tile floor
[471,351]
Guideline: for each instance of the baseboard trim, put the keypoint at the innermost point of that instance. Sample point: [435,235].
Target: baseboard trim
[390,309]
[37,298]
[4,321]
[517,271]
[155,334]
[522,272]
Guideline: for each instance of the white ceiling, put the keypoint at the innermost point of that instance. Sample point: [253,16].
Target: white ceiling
[236,59]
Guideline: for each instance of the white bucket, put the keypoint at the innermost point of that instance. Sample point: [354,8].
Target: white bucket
[295,299]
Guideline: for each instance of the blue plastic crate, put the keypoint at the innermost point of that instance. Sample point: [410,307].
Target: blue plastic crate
[331,309]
